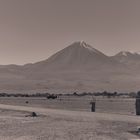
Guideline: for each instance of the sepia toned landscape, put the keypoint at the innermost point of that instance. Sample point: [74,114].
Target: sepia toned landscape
[69,69]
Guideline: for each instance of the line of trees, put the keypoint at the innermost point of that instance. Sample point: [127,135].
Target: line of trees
[104,94]
[24,95]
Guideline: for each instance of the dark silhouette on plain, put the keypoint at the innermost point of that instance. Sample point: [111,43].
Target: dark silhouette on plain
[138,103]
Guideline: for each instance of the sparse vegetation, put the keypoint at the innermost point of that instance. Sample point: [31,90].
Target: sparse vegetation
[54,96]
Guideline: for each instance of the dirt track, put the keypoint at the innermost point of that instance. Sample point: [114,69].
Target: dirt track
[64,125]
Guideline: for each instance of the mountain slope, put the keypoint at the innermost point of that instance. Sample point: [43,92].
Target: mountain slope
[77,56]
[131,60]
[77,67]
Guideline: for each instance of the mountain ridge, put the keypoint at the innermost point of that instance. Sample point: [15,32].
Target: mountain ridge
[76,67]
[81,44]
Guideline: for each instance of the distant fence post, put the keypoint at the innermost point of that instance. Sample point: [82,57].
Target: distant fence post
[92,106]
[138,104]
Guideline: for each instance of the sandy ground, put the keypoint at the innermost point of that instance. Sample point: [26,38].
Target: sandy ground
[112,105]
[57,124]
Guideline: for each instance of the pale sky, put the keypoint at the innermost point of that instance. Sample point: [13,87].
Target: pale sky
[33,30]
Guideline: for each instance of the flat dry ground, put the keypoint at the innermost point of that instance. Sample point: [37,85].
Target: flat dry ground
[61,124]
[64,125]
[112,105]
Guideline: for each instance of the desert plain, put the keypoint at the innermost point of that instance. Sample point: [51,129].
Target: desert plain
[68,119]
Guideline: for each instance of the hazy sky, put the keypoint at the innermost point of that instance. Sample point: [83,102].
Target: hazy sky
[32,30]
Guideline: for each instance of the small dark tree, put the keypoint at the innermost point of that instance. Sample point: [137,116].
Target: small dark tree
[75,94]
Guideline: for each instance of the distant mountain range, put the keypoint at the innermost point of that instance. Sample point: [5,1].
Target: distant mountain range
[128,58]
[78,67]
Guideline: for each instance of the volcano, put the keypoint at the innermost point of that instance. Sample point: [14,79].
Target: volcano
[77,56]
[78,67]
